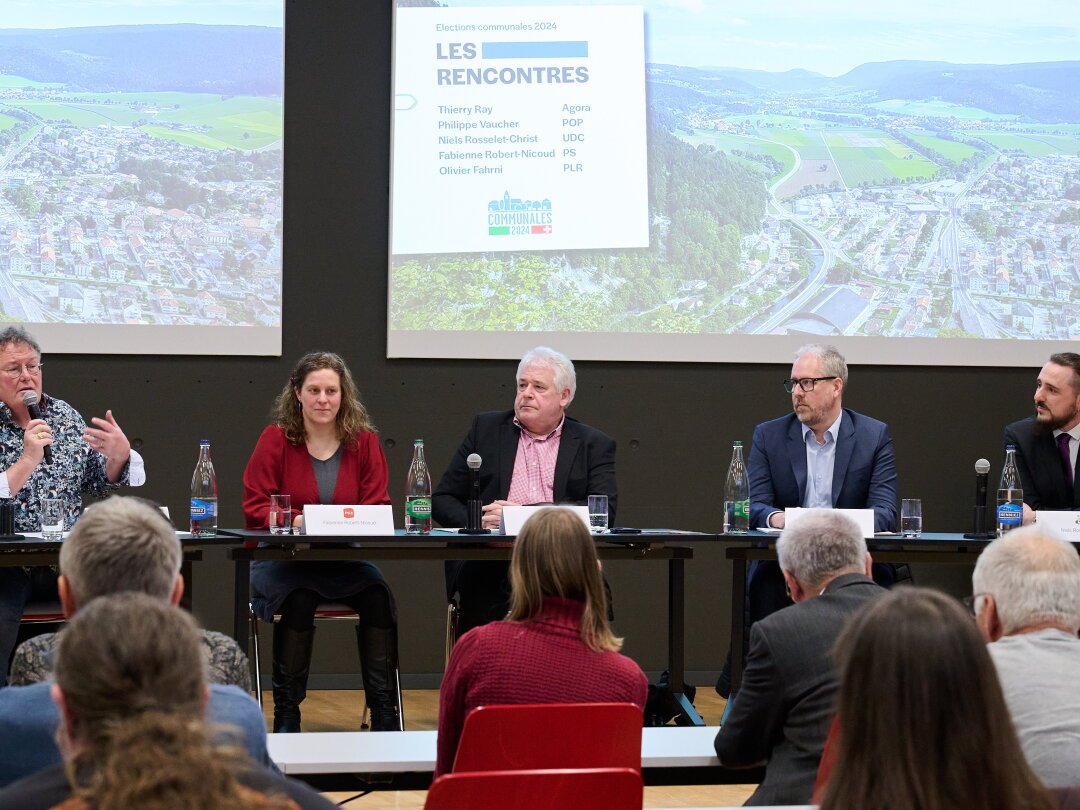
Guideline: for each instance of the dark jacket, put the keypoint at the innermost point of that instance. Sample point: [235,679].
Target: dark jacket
[1041,473]
[864,469]
[781,714]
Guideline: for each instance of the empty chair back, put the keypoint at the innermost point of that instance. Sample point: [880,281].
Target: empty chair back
[551,735]
[588,789]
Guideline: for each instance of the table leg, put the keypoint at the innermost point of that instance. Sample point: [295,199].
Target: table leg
[738,622]
[189,592]
[241,601]
[676,646]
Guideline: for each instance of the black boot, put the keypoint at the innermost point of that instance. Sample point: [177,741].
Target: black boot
[292,659]
[378,662]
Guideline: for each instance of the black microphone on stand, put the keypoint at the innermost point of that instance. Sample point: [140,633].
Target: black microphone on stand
[30,400]
[474,506]
[981,529]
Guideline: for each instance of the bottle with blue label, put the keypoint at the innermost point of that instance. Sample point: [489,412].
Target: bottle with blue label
[204,494]
[1010,510]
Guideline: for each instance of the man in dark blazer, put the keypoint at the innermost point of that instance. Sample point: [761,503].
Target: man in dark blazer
[521,466]
[1046,443]
[781,715]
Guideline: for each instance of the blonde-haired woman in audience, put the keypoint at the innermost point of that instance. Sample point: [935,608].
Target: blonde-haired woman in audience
[555,646]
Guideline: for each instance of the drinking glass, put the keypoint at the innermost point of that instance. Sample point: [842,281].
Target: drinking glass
[280,514]
[598,513]
[911,517]
[52,518]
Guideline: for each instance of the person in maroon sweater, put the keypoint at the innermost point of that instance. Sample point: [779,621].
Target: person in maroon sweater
[555,646]
[323,449]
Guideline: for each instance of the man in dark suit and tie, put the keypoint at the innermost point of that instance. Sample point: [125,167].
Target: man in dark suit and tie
[781,715]
[532,454]
[1046,443]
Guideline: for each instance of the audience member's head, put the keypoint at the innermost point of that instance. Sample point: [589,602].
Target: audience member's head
[120,544]
[923,722]
[822,545]
[131,687]
[554,555]
[1027,580]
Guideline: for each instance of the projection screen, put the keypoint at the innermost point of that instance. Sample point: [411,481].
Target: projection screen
[696,180]
[141,175]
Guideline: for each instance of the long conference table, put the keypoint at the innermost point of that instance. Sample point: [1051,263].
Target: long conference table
[249,546]
[31,549]
[936,547]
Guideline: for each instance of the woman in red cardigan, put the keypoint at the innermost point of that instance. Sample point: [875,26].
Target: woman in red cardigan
[323,449]
[555,646]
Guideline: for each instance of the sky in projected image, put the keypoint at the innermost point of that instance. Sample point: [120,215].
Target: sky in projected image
[141,174]
[826,170]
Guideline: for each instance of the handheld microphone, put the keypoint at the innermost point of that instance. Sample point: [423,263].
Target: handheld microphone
[30,400]
[981,527]
[474,506]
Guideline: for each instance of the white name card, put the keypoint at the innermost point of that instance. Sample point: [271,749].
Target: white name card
[331,519]
[863,517]
[513,517]
[1064,524]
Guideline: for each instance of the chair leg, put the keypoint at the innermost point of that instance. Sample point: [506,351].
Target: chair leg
[453,613]
[253,632]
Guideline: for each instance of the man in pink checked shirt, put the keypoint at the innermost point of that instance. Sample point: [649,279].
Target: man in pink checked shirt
[532,454]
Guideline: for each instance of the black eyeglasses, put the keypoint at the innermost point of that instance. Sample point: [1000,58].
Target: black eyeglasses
[806,383]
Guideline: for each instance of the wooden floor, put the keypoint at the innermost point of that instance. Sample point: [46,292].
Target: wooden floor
[340,711]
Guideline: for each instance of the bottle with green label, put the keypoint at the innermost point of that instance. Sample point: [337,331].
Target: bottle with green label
[737,495]
[418,493]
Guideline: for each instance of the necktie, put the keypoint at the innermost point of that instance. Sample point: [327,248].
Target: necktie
[1066,459]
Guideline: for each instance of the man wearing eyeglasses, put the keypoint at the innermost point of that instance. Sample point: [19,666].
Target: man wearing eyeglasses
[92,459]
[822,455]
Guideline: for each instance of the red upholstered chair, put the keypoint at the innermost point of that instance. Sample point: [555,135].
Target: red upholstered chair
[551,735]
[588,789]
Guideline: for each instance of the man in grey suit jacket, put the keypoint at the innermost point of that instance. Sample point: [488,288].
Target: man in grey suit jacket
[781,715]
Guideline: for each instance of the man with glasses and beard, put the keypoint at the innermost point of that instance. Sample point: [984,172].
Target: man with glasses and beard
[1046,443]
[822,455]
[91,460]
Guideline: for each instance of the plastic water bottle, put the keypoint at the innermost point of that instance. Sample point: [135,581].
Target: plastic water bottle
[204,494]
[737,495]
[1010,510]
[418,493]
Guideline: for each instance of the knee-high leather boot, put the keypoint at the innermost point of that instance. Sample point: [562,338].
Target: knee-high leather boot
[292,660]
[378,662]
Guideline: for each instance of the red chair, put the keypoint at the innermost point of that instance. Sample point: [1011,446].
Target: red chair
[589,789]
[551,735]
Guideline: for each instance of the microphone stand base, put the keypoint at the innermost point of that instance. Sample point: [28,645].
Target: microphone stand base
[474,531]
[980,535]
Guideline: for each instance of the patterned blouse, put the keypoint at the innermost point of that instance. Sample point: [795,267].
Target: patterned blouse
[76,468]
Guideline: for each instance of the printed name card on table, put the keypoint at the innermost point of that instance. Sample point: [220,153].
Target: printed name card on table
[513,517]
[332,519]
[1064,524]
[863,517]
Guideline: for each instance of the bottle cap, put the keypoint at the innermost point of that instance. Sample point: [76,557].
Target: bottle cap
[418,441]
[738,444]
[204,441]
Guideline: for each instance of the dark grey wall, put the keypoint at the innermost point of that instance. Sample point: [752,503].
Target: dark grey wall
[674,423]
